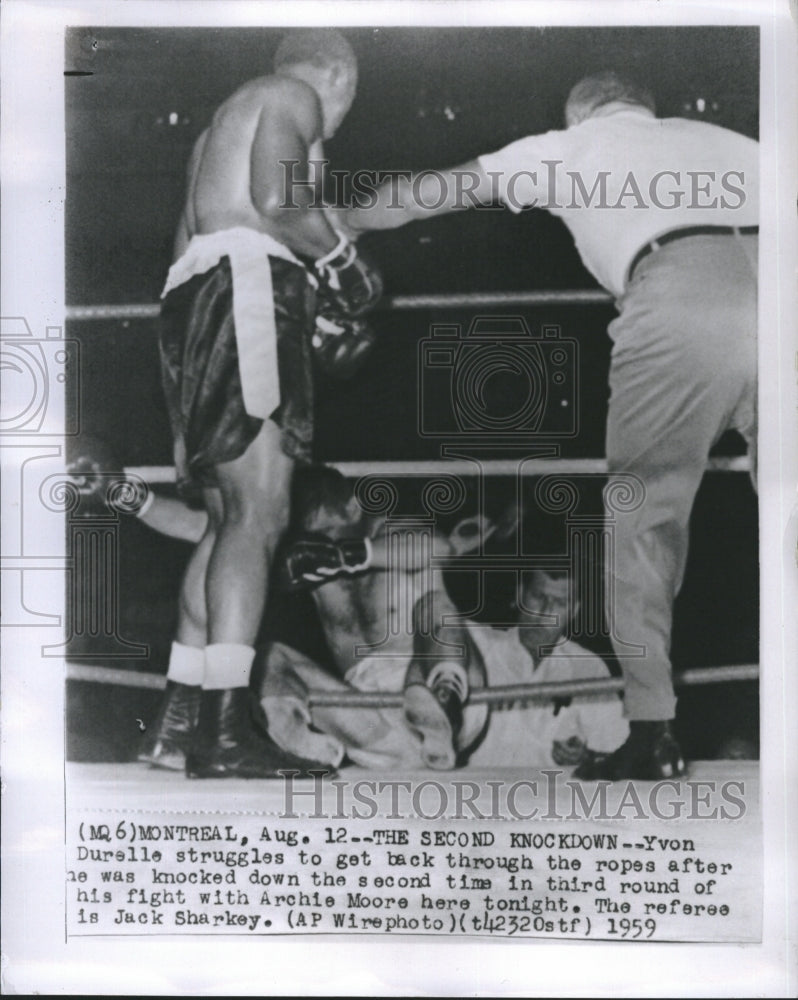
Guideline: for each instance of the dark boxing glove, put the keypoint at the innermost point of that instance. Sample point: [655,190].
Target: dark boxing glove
[348,279]
[341,344]
[315,559]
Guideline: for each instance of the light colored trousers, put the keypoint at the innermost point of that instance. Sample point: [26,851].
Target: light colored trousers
[683,371]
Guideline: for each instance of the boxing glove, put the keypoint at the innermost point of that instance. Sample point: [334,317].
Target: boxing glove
[314,559]
[341,344]
[348,279]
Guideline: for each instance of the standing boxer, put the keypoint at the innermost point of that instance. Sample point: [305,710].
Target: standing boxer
[237,322]
[664,214]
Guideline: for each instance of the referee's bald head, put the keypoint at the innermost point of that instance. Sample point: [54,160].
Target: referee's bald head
[596,91]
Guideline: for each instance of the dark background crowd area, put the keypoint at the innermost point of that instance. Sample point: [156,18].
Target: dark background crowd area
[136,101]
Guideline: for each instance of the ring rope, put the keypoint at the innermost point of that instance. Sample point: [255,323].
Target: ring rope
[395,303]
[157,474]
[479,696]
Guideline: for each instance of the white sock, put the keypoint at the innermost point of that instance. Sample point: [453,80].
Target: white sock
[186,664]
[227,665]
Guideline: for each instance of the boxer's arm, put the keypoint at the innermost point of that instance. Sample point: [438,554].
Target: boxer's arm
[96,481]
[187,224]
[316,558]
[413,558]
[466,536]
[403,199]
[181,238]
[284,184]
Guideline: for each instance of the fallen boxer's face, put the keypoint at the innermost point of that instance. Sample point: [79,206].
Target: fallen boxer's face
[337,523]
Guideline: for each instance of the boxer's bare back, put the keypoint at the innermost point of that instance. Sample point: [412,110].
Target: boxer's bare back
[237,174]
[237,181]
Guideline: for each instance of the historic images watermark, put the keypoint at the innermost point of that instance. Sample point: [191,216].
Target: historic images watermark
[548,187]
[552,797]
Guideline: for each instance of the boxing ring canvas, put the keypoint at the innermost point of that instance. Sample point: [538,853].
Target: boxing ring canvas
[474,432]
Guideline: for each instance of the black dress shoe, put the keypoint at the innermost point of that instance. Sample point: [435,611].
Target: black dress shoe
[228,743]
[651,753]
[169,739]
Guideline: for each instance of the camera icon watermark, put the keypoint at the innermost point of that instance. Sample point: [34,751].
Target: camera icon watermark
[498,380]
[32,368]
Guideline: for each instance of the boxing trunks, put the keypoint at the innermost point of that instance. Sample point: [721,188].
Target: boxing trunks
[236,327]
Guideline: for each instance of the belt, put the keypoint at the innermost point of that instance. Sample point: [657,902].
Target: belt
[680,234]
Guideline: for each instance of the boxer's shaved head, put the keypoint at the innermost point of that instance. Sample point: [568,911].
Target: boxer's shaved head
[324,59]
[320,47]
[596,91]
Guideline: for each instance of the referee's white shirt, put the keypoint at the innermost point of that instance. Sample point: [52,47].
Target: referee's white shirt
[623,178]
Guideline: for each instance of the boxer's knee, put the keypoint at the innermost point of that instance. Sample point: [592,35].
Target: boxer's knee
[261,518]
[255,492]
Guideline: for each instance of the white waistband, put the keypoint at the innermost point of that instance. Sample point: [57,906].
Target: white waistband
[204,251]
[253,305]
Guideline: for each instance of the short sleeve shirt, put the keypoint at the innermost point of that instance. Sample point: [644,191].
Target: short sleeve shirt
[621,180]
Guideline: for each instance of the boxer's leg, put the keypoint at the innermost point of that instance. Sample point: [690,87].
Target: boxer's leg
[255,491]
[437,688]
[169,738]
[192,613]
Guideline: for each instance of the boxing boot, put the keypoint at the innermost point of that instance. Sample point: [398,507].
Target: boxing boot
[434,711]
[169,739]
[229,744]
[650,753]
